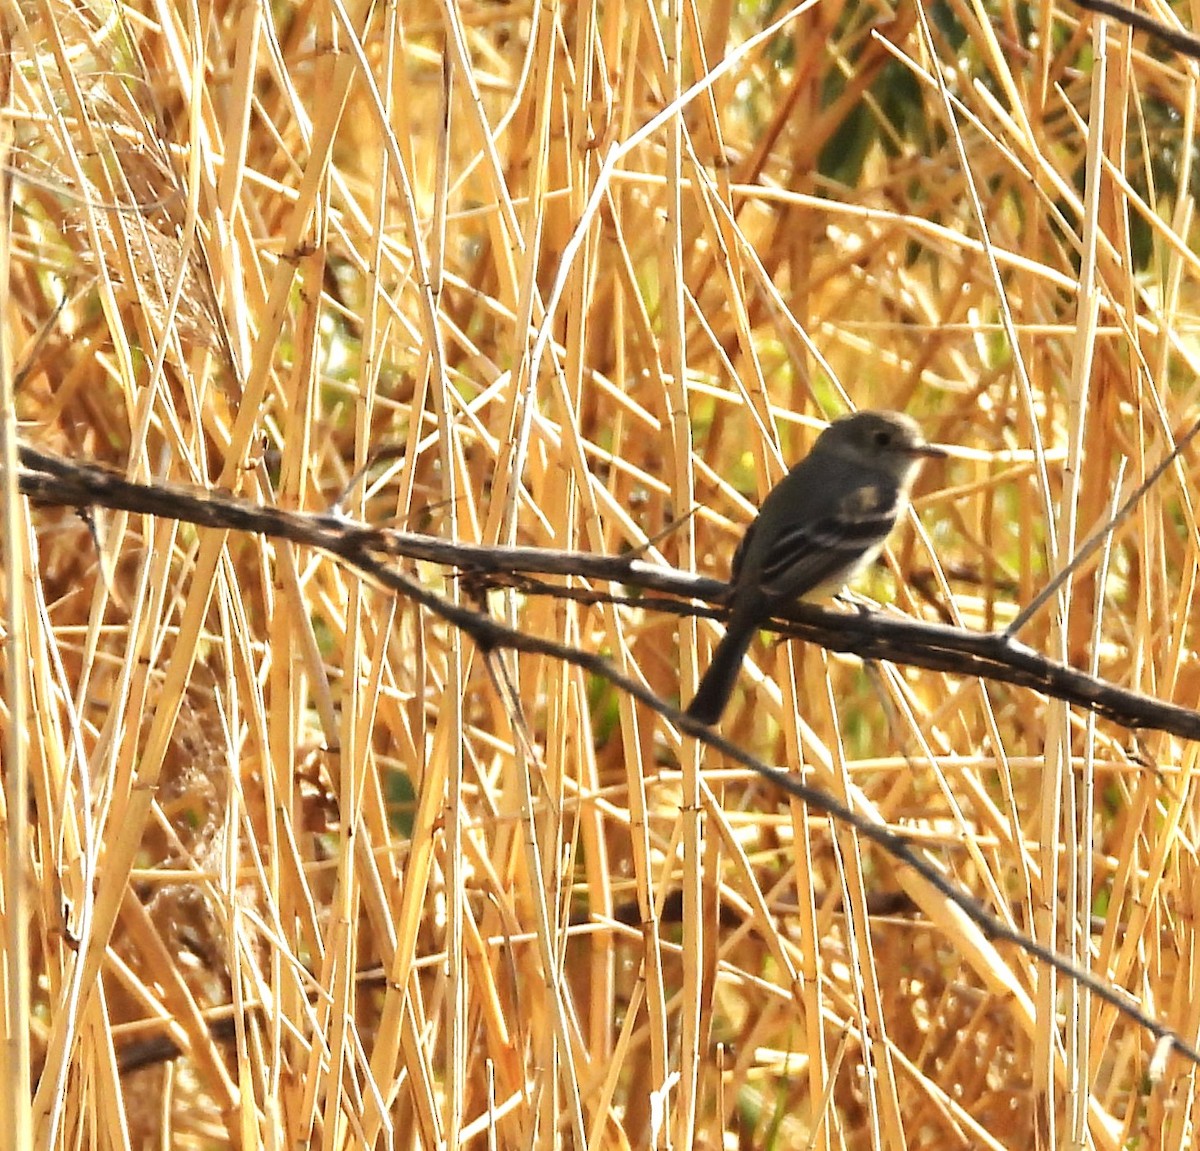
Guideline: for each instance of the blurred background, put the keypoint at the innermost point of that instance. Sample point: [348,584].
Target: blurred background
[304,867]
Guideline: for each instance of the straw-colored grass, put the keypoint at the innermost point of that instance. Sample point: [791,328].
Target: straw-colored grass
[303,867]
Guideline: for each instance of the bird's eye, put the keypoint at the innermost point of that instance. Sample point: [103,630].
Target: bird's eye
[882,438]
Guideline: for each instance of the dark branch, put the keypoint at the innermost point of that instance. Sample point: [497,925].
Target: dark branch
[871,636]
[1186,43]
[370,552]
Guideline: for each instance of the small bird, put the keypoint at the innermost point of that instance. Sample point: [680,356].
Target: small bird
[825,521]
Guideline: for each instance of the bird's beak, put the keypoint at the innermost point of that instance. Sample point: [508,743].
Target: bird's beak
[929,451]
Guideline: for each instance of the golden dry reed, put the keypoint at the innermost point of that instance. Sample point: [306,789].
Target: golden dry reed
[298,866]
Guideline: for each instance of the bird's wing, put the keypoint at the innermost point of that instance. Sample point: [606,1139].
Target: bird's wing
[832,548]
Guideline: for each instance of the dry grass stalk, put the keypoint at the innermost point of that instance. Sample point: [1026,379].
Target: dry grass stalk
[582,270]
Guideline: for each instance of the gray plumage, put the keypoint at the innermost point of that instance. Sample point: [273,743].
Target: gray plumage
[818,527]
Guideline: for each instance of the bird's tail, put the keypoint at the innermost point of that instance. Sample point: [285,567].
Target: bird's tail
[716,685]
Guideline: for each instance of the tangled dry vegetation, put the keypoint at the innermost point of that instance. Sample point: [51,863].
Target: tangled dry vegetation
[303,867]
